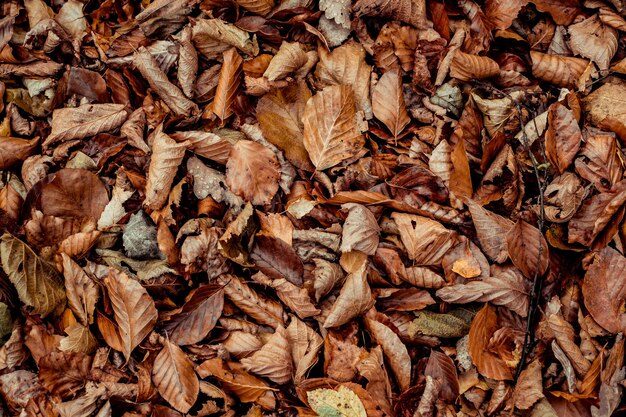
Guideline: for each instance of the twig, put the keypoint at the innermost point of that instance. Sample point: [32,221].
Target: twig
[533,304]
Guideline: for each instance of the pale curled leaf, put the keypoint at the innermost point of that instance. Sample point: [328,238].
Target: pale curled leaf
[360,230]
[354,299]
[289,58]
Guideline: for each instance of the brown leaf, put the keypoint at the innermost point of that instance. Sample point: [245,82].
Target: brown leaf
[482,328]
[604,290]
[490,228]
[598,161]
[260,7]
[74,193]
[593,40]
[388,102]
[426,240]
[187,62]
[174,377]
[395,352]
[562,71]
[82,292]
[480,35]
[305,344]
[467,67]
[246,387]
[197,317]
[293,296]
[507,288]
[167,155]
[206,144]
[263,310]
[528,249]
[168,92]
[606,109]
[133,308]
[15,150]
[441,368]
[412,12]
[562,11]
[253,172]
[273,360]
[228,85]
[63,374]
[277,259]
[289,58]
[342,353]
[529,387]
[85,121]
[562,137]
[373,369]
[331,134]
[598,217]
[212,37]
[360,230]
[328,275]
[346,65]
[37,282]
[354,299]
[501,13]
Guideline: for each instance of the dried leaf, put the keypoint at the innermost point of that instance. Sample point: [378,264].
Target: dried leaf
[174,377]
[85,121]
[395,352]
[273,360]
[388,102]
[604,291]
[167,155]
[529,388]
[563,137]
[228,85]
[252,172]
[488,364]
[198,316]
[360,230]
[507,288]
[331,134]
[133,308]
[528,249]
[305,344]
[37,282]
[82,292]
[14,150]
[467,67]
[354,299]
[412,12]
[593,40]
[426,240]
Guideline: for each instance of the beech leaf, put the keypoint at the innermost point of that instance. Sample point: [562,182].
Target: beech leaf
[174,377]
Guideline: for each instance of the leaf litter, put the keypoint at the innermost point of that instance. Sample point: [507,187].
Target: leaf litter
[290,207]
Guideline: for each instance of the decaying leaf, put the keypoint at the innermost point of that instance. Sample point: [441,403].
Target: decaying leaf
[37,282]
[175,378]
[134,310]
[252,172]
[331,134]
[388,102]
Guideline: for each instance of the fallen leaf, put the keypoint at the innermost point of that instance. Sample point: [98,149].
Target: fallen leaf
[395,352]
[331,134]
[426,240]
[354,299]
[228,85]
[343,401]
[252,172]
[174,377]
[85,121]
[134,310]
[593,40]
[529,388]
[488,364]
[37,282]
[388,103]
[604,292]
[412,12]
[563,137]
[528,249]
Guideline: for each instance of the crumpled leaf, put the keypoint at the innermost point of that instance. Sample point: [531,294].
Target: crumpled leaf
[507,288]
[489,364]
[426,240]
[252,172]
[37,282]
[354,299]
[331,134]
[412,12]
[395,351]
[360,230]
[593,40]
[289,58]
[273,360]
[305,344]
[529,388]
